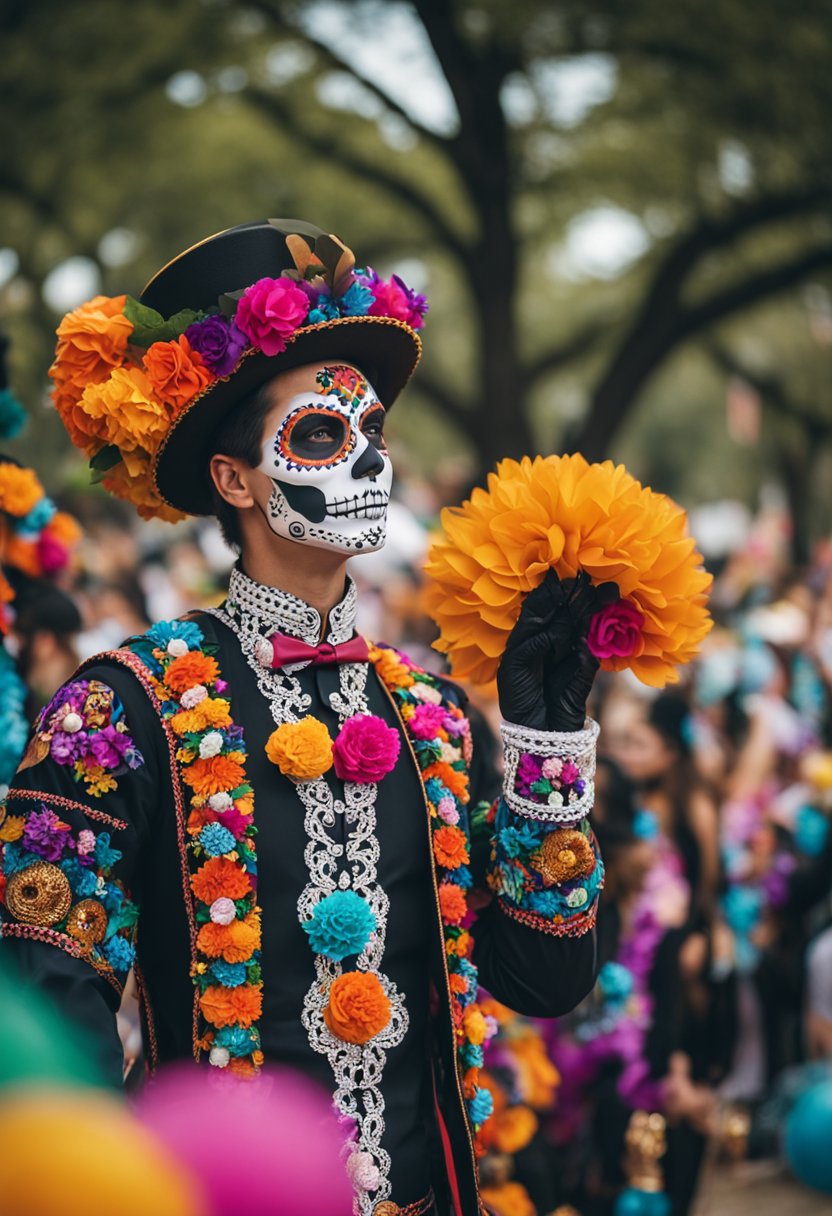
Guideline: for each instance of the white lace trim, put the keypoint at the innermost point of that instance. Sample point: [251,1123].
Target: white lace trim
[575,745]
[271,609]
[357,1069]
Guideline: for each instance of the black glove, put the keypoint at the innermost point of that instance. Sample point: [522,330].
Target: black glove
[546,673]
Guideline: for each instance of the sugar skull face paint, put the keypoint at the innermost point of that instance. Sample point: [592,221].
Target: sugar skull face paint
[329,468]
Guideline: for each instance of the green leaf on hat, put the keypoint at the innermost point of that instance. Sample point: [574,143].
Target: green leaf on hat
[103,461]
[150,326]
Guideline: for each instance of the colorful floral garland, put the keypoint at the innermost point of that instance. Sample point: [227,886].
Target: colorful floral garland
[221,834]
[440,737]
[123,373]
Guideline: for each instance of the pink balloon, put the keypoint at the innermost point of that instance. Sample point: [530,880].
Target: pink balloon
[270,1147]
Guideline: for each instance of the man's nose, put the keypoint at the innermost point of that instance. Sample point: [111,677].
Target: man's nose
[369,464]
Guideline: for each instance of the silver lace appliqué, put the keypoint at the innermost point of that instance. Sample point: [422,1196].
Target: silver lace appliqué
[357,1069]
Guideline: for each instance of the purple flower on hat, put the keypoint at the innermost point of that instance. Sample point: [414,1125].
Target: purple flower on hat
[46,835]
[220,343]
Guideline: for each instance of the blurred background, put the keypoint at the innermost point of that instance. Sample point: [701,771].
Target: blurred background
[621,217]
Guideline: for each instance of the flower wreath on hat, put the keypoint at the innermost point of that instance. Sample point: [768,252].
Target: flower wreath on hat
[123,373]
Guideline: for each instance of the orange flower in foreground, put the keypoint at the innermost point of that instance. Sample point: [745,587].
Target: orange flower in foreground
[122,410]
[513,1129]
[358,1007]
[217,877]
[235,942]
[302,750]
[92,340]
[191,669]
[176,372]
[563,513]
[452,903]
[229,1006]
[450,847]
[219,774]
[20,489]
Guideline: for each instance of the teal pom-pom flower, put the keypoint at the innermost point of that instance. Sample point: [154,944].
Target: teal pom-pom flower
[340,925]
[12,415]
[480,1106]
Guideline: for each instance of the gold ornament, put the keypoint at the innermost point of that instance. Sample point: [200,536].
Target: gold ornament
[87,922]
[563,856]
[39,895]
[646,1145]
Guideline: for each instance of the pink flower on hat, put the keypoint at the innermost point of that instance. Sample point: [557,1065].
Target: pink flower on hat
[269,313]
[615,631]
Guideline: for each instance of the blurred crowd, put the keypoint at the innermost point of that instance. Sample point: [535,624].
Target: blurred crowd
[713,800]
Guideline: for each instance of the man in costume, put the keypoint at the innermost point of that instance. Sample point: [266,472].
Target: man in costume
[278,825]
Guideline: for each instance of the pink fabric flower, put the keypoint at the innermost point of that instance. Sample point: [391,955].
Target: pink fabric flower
[427,721]
[366,749]
[223,911]
[615,631]
[447,811]
[192,697]
[552,767]
[269,313]
[86,842]
[569,773]
[53,555]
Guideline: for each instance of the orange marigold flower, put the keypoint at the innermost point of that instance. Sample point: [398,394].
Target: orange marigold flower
[212,711]
[123,410]
[191,669]
[452,903]
[358,1007]
[561,512]
[302,750]
[217,775]
[92,340]
[176,372]
[235,942]
[217,877]
[509,1199]
[229,1006]
[391,670]
[65,528]
[514,1128]
[135,485]
[456,781]
[450,847]
[23,555]
[20,489]
[475,1025]
[458,983]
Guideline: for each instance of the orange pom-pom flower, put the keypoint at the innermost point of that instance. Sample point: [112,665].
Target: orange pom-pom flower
[562,513]
[358,1007]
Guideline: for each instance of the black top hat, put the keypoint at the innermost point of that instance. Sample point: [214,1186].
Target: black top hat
[384,348]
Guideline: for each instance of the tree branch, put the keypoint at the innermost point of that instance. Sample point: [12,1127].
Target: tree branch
[771,388]
[334,149]
[444,397]
[573,347]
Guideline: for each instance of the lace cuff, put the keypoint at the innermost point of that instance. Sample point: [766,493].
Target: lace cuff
[550,775]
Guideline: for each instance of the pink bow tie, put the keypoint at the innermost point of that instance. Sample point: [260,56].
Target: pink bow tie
[286,651]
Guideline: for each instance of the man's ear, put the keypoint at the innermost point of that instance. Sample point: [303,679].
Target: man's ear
[233,480]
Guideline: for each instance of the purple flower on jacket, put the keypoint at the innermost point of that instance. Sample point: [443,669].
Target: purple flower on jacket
[220,343]
[46,835]
[108,746]
[73,694]
[529,770]
[65,748]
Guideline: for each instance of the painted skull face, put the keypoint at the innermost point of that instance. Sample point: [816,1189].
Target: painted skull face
[329,468]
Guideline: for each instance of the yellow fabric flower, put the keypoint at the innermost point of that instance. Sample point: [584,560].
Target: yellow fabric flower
[131,415]
[563,513]
[302,750]
[20,489]
[11,826]
[98,781]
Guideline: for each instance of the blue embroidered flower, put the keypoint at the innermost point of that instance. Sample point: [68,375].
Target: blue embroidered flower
[119,953]
[230,975]
[216,840]
[461,876]
[356,300]
[340,925]
[436,790]
[472,1055]
[82,879]
[165,631]
[104,854]
[547,903]
[16,858]
[480,1106]
[236,1040]
[615,982]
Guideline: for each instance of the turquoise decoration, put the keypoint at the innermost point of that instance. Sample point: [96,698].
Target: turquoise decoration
[615,983]
[480,1106]
[632,1202]
[811,831]
[14,725]
[217,840]
[12,415]
[340,925]
[809,1137]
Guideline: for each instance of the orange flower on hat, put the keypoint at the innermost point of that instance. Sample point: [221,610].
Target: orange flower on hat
[358,1008]
[20,489]
[218,877]
[231,1006]
[450,847]
[302,750]
[137,487]
[561,512]
[92,340]
[216,775]
[235,942]
[124,411]
[188,670]
[176,371]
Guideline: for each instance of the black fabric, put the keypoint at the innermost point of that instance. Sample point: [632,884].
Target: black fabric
[530,971]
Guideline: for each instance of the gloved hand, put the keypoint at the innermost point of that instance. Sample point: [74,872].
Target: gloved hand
[546,673]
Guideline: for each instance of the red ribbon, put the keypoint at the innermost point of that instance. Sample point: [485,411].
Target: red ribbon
[286,650]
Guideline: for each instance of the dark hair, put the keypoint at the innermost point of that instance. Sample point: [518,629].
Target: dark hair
[669,715]
[239,435]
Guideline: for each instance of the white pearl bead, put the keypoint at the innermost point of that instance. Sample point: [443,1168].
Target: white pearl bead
[220,1057]
[72,723]
[177,647]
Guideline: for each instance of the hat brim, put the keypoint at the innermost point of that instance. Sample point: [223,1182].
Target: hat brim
[385,349]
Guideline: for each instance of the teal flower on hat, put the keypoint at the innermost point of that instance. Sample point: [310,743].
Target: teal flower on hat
[340,925]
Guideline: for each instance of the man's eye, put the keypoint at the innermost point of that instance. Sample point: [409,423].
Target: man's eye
[321,434]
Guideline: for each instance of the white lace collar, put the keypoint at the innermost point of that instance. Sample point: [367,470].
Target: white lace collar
[270,609]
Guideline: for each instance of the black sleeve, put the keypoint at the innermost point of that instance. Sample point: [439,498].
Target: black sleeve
[76,821]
